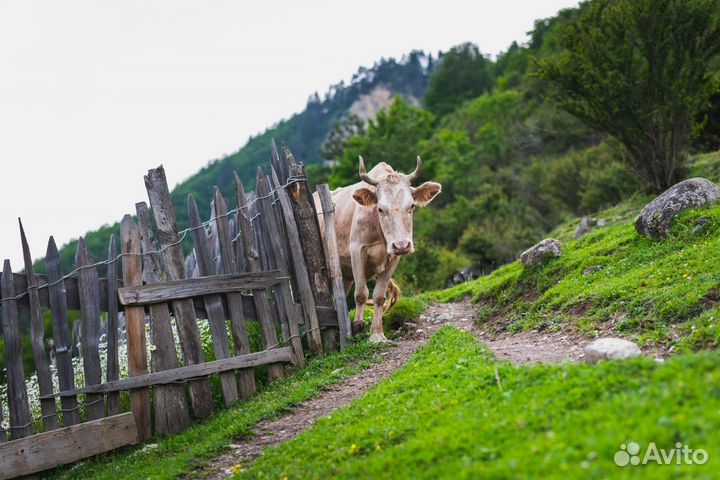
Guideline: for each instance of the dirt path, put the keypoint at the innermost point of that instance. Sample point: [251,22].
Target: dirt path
[525,347]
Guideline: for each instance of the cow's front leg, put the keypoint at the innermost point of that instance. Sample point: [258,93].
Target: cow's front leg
[377,334]
[358,257]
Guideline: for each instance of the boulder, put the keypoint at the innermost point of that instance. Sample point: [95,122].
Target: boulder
[542,252]
[610,348]
[656,218]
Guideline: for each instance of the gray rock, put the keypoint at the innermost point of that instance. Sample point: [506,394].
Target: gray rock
[542,252]
[583,228]
[610,348]
[591,270]
[656,218]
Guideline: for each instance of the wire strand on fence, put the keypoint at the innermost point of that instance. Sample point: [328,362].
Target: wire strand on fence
[183,233]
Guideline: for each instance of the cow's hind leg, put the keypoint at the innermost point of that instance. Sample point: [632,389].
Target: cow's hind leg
[377,334]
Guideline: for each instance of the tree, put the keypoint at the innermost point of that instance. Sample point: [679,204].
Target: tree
[391,137]
[463,73]
[640,71]
[344,128]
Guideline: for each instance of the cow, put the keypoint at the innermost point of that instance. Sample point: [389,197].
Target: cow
[374,223]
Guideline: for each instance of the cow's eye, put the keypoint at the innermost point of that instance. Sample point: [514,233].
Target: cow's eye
[412,208]
[381,211]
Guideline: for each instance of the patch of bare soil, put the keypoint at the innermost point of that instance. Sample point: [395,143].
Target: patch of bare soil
[524,347]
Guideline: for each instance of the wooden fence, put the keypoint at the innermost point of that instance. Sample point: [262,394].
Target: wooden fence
[264,261]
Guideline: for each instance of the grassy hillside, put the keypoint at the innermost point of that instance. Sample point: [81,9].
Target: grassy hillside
[455,412]
[663,293]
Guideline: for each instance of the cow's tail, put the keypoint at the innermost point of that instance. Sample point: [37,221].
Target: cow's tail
[392,294]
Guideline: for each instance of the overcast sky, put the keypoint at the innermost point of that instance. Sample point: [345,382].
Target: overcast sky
[95,93]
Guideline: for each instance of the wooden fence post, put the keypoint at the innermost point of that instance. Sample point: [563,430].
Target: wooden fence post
[61,333]
[313,250]
[241,342]
[113,366]
[89,293]
[171,409]
[174,264]
[333,262]
[20,419]
[37,337]
[137,353]
[213,303]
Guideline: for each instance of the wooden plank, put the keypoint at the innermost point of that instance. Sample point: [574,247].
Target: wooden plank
[66,445]
[90,322]
[213,302]
[135,317]
[37,339]
[241,342]
[279,256]
[113,365]
[20,419]
[262,304]
[265,357]
[313,250]
[172,414]
[333,262]
[61,333]
[174,268]
[194,287]
[305,293]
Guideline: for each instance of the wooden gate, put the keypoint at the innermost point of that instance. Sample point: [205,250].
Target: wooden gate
[262,261]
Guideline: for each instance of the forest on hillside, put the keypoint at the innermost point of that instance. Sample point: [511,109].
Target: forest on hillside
[564,126]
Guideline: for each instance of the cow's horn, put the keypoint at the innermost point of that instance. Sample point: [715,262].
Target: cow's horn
[363,174]
[418,171]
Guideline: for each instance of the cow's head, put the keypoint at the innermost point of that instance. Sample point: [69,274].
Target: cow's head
[395,200]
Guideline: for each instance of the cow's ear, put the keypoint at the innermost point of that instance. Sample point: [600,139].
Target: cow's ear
[425,193]
[365,197]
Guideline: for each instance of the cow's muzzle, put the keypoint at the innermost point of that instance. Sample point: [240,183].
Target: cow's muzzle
[401,248]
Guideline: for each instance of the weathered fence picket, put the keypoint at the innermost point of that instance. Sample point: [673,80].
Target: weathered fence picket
[88,287]
[171,409]
[241,342]
[174,268]
[313,250]
[113,365]
[61,333]
[277,256]
[260,297]
[263,261]
[20,419]
[213,302]
[135,316]
[37,339]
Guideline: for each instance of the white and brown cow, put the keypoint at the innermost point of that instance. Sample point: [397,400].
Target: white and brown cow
[374,222]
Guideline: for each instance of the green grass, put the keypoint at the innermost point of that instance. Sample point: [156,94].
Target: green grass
[182,454]
[454,412]
[661,292]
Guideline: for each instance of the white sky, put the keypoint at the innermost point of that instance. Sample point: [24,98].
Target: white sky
[94,93]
